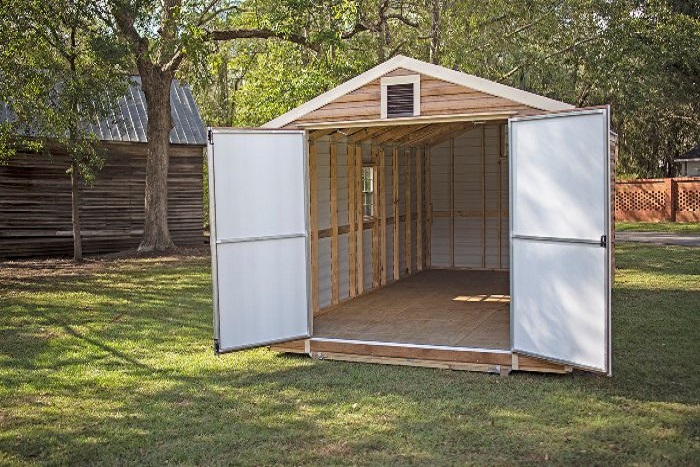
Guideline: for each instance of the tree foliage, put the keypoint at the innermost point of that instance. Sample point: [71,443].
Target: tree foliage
[642,57]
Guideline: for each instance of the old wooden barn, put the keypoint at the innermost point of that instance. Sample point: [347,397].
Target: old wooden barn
[417,215]
[35,194]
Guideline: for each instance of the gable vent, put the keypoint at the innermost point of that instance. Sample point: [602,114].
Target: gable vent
[400,96]
[399,100]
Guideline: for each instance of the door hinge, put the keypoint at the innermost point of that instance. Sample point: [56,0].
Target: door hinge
[216,347]
[210,136]
[603,240]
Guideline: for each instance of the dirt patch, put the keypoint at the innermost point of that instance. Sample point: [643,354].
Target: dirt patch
[50,267]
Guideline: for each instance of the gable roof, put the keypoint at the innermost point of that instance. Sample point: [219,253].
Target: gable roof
[127,122]
[436,71]
[693,154]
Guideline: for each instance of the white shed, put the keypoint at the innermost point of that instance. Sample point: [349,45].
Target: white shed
[420,216]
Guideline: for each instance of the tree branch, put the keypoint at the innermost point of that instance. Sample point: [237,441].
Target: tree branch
[232,34]
[553,54]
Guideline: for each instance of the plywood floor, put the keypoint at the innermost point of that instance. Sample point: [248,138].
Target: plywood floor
[436,307]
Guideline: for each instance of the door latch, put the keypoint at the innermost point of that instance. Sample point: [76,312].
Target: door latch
[603,241]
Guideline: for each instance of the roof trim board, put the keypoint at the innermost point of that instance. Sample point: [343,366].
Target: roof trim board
[475,117]
[439,72]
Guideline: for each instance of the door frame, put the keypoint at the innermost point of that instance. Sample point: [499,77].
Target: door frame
[609,229]
[213,244]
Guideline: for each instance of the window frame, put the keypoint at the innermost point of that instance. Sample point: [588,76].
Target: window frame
[367,217]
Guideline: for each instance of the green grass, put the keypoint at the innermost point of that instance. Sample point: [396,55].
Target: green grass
[112,365]
[671,227]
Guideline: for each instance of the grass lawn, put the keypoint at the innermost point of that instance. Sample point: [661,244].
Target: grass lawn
[692,228]
[111,364]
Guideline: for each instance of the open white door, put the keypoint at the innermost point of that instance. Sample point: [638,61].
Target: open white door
[259,237]
[560,226]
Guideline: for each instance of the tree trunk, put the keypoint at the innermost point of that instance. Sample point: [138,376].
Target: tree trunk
[156,87]
[435,10]
[75,211]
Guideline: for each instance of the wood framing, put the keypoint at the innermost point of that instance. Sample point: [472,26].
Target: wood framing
[352,216]
[360,222]
[428,209]
[500,196]
[382,216]
[313,221]
[407,203]
[334,223]
[375,220]
[452,202]
[483,196]
[395,199]
[419,209]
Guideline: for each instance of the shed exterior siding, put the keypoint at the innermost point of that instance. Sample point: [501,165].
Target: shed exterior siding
[35,202]
[438,98]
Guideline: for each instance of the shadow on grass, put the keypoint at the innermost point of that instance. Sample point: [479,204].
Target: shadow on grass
[118,369]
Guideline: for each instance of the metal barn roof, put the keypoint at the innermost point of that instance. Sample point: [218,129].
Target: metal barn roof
[128,121]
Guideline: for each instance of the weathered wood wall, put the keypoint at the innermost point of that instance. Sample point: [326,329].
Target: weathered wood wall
[35,202]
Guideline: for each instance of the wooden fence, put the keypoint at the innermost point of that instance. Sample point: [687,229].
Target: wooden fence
[658,200]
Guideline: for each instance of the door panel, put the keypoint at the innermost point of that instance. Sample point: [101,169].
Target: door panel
[561,312]
[560,218]
[261,180]
[264,298]
[259,237]
[560,189]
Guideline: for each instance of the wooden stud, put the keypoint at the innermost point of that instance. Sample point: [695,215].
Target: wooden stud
[334,224]
[500,197]
[429,210]
[313,218]
[382,216]
[419,209]
[483,196]
[360,222]
[352,216]
[395,191]
[452,202]
[375,222]
[407,203]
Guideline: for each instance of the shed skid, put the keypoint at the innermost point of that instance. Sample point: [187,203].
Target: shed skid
[410,355]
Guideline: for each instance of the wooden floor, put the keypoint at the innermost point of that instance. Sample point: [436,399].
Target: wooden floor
[435,307]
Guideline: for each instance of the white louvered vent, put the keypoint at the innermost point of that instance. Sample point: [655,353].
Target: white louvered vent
[400,96]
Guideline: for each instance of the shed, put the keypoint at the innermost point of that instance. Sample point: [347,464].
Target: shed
[416,215]
[35,192]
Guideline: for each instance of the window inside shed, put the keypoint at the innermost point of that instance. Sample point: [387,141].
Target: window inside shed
[368,191]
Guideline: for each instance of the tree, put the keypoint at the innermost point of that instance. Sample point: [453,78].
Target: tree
[60,73]
[160,36]
[642,57]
